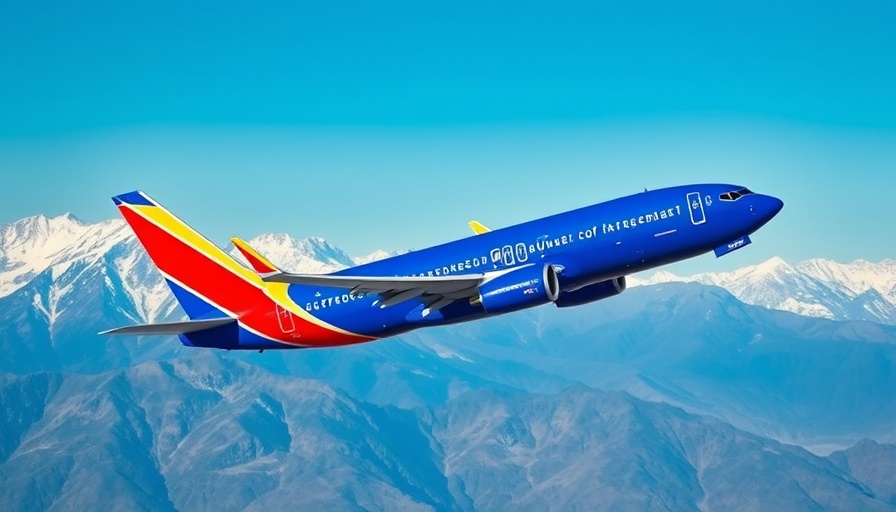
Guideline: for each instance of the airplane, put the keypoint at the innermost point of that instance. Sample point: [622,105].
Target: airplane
[568,259]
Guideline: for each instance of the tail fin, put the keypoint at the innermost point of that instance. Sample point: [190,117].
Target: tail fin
[205,280]
[259,263]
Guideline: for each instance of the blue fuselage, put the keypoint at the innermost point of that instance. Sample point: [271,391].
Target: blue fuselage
[590,245]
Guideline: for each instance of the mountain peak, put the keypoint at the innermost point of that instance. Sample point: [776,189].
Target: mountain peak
[818,287]
[69,217]
[36,231]
[30,245]
[308,255]
[772,263]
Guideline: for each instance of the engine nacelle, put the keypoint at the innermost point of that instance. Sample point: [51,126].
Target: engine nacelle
[520,288]
[591,293]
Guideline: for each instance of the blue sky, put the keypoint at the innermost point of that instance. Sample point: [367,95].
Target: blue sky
[390,124]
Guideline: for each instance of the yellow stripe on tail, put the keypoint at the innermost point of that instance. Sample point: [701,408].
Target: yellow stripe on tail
[258,262]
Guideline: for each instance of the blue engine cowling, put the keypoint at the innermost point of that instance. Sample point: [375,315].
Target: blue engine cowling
[591,293]
[522,287]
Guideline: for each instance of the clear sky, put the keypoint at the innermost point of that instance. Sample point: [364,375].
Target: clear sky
[390,124]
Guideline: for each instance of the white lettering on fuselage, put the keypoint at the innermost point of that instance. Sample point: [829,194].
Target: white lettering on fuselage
[337,300]
[519,253]
[647,218]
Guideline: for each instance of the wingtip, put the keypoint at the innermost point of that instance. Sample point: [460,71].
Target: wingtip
[478,227]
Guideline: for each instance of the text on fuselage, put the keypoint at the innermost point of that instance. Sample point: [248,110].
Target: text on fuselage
[512,254]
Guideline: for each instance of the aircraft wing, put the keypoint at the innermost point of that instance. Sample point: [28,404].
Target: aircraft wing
[437,291]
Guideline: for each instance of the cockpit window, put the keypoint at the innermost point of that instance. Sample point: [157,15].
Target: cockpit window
[734,195]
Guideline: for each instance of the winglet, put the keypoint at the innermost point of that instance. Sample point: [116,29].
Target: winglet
[478,228]
[259,263]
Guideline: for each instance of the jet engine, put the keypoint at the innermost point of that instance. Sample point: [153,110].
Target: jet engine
[591,293]
[523,287]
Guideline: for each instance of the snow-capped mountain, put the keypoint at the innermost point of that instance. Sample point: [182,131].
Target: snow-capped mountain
[860,290]
[439,418]
[33,244]
[313,255]
[66,247]
[68,251]
[309,255]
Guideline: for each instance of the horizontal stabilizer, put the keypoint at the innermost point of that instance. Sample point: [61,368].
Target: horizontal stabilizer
[171,328]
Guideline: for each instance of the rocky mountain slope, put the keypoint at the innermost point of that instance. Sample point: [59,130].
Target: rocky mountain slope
[501,413]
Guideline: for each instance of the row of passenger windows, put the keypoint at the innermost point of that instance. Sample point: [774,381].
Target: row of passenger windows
[734,195]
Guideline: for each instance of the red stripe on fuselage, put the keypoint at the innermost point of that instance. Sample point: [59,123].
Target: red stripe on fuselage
[223,288]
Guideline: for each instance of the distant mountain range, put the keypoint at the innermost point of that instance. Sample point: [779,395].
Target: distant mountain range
[672,396]
[206,433]
[860,290]
[821,288]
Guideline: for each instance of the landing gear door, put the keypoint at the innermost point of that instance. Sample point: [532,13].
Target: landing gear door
[695,206]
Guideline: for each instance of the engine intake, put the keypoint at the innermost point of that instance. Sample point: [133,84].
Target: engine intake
[522,287]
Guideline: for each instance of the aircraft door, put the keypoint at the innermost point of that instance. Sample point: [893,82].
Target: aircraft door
[285,319]
[695,207]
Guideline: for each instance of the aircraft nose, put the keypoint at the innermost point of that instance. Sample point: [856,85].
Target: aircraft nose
[767,207]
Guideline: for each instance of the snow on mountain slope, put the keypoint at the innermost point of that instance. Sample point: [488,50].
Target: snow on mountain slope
[309,255]
[30,245]
[73,251]
[376,256]
[856,277]
[860,290]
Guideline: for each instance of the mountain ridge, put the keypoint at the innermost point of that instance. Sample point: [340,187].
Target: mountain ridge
[860,290]
[205,432]
[545,408]
[818,287]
